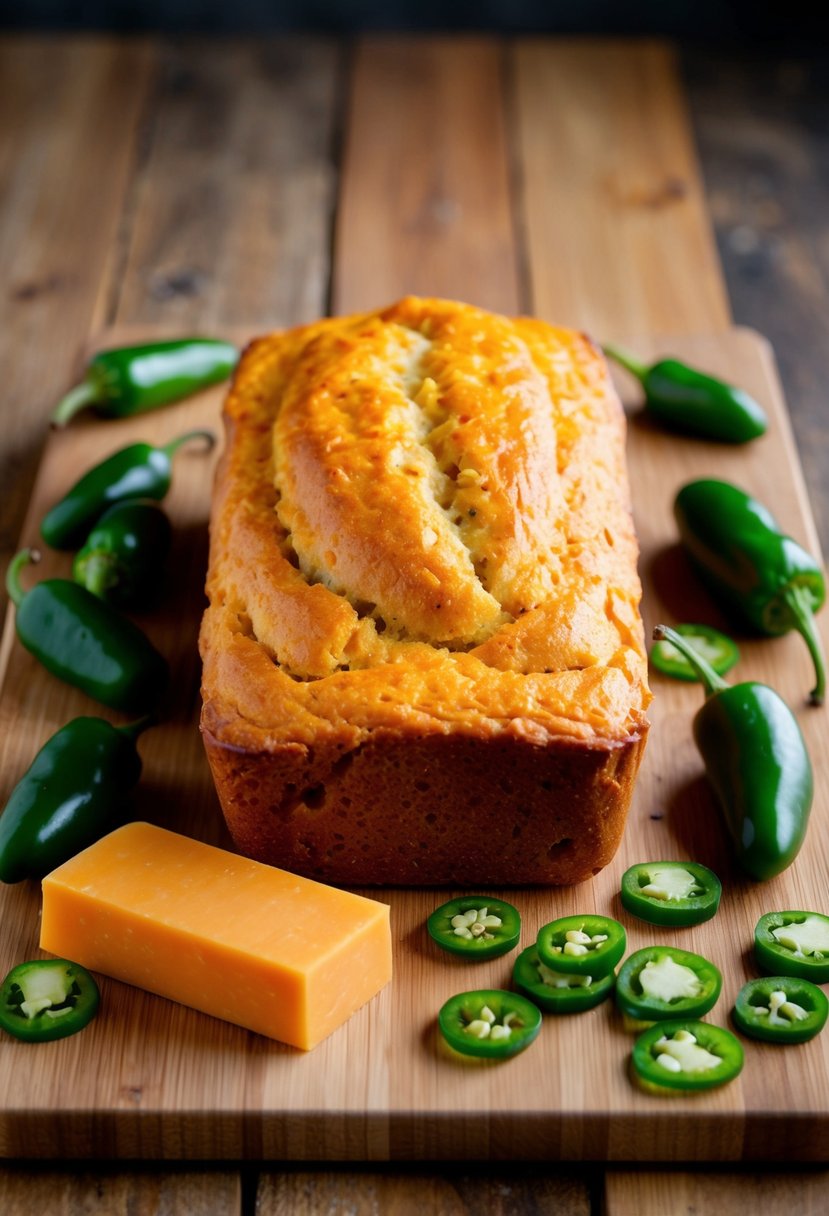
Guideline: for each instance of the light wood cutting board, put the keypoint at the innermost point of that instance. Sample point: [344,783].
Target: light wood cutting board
[153,1079]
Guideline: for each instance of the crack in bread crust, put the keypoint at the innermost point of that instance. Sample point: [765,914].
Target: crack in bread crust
[359,490]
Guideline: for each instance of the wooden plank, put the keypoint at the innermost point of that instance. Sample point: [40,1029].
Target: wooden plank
[425,199]
[105,1193]
[149,1078]
[69,115]
[680,1193]
[495,1192]
[232,206]
[618,237]
[766,164]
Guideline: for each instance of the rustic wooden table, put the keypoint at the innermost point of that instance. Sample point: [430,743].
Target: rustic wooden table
[202,185]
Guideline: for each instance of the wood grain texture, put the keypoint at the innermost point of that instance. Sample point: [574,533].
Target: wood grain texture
[760,124]
[231,207]
[617,234]
[425,203]
[106,1193]
[498,1192]
[150,1078]
[680,1193]
[69,118]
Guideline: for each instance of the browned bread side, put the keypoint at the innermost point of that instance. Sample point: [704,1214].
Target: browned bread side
[440,810]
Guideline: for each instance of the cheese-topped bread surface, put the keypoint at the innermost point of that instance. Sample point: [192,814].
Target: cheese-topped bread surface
[423,655]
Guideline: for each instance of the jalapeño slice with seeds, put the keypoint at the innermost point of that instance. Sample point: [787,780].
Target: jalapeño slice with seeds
[660,982]
[781,1009]
[47,999]
[671,892]
[582,945]
[490,1023]
[679,1056]
[558,991]
[793,943]
[475,926]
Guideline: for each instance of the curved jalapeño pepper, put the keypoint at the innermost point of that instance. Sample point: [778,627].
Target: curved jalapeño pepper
[671,892]
[137,471]
[47,999]
[85,642]
[557,991]
[761,574]
[134,379]
[715,647]
[490,1023]
[781,1009]
[757,763]
[677,1055]
[68,797]
[793,943]
[582,945]
[475,926]
[660,982]
[124,552]
[687,400]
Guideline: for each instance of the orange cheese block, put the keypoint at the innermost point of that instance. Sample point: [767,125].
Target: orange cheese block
[266,949]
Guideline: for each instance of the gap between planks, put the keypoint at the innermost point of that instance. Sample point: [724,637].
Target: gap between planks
[513,1191]
[618,234]
[416,1191]
[556,176]
[69,116]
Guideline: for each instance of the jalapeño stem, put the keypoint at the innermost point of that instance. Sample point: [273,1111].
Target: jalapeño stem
[88,392]
[131,730]
[170,449]
[712,683]
[628,361]
[800,604]
[14,588]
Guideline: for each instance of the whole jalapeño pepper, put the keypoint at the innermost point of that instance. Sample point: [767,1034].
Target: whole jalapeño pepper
[85,642]
[137,471]
[134,379]
[764,576]
[756,761]
[123,555]
[69,796]
[687,400]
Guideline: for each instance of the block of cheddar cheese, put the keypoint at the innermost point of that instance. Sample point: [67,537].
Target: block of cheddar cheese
[279,954]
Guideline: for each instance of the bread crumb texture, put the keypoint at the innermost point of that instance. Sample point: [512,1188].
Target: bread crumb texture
[421,528]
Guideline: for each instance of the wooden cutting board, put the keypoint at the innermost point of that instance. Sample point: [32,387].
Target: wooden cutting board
[153,1079]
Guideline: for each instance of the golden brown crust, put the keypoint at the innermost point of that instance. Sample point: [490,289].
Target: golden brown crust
[422,559]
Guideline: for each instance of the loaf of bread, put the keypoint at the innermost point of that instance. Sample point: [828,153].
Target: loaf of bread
[423,655]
